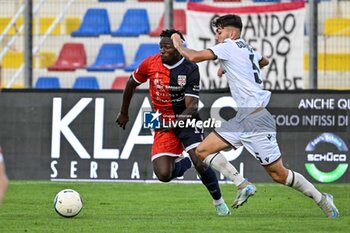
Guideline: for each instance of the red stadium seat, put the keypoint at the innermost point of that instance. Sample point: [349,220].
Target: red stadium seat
[72,56]
[227,0]
[119,82]
[179,23]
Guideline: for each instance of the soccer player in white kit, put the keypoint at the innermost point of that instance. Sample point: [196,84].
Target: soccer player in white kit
[3,178]
[253,126]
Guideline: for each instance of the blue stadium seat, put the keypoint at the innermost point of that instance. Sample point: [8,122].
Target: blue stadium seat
[135,22]
[145,50]
[86,82]
[95,23]
[109,58]
[47,83]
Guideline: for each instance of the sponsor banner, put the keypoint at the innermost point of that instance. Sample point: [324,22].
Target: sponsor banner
[276,31]
[73,135]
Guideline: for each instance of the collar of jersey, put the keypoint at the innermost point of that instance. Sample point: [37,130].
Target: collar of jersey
[175,65]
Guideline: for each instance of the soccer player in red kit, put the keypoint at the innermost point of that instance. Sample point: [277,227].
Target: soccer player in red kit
[174,90]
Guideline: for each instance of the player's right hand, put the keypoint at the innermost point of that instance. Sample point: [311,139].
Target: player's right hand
[122,119]
[177,41]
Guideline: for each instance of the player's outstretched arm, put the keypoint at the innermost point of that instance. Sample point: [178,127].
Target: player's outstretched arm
[191,54]
[123,115]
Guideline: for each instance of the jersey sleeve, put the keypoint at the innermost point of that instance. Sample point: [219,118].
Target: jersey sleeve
[192,85]
[140,75]
[222,51]
[257,55]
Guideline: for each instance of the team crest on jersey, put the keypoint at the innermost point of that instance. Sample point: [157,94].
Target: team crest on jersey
[181,80]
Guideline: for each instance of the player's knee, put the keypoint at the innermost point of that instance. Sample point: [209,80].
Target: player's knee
[163,176]
[201,153]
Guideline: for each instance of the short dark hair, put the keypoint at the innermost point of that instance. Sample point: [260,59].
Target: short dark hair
[229,20]
[169,32]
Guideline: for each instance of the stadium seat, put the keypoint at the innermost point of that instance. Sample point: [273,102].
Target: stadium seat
[227,0]
[71,24]
[47,83]
[86,82]
[179,23]
[189,0]
[145,50]
[15,59]
[119,82]
[47,59]
[135,22]
[330,62]
[266,0]
[95,23]
[72,56]
[12,60]
[111,0]
[45,23]
[337,27]
[5,20]
[109,58]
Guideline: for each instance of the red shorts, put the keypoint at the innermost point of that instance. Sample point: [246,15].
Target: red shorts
[166,143]
[174,142]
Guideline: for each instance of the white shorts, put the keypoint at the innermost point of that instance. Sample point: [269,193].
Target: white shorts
[1,158]
[256,132]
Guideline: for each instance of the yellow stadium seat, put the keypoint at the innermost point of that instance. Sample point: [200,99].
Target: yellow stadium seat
[12,60]
[72,24]
[45,23]
[14,86]
[47,59]
[4,21]
[337,27]
[330,61]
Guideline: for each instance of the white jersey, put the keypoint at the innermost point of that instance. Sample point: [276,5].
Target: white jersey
[241,64]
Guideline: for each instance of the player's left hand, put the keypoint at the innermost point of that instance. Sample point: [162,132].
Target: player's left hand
[221,72]
[122,119]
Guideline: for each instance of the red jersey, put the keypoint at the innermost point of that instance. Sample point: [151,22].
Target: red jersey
[168,85]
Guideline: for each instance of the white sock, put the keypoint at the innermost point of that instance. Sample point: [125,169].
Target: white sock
[300,183]
[220,163]
[218,202]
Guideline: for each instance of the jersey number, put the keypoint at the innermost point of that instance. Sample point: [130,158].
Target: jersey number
[255,69]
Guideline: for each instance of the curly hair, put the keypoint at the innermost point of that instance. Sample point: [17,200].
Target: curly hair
[169,32]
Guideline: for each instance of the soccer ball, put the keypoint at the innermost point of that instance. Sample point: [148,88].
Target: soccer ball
[68,203]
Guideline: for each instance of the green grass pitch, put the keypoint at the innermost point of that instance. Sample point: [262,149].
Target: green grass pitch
[172,207]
